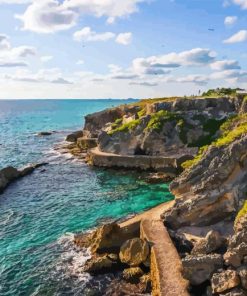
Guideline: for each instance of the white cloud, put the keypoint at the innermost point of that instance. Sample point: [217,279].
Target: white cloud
[124,38]
[46,59]
[241,36]
[49,16]
[160,64]
[225,65]
[228,74]
[196,79]
[51,75]
[87,35]
[14,56]
[230,20]
[241,3]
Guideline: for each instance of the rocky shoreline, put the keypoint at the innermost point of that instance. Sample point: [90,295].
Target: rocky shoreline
[205,229]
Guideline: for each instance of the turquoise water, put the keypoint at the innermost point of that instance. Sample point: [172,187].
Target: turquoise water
[39,213]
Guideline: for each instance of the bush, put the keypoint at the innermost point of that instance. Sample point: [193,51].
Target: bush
[242,212]
[158,119]
[126,127]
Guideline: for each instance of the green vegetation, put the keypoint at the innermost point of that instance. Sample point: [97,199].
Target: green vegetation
[219,92]
[158,119]
[190,163]
[126,127]
[141,113]
[232,129]
[242,212]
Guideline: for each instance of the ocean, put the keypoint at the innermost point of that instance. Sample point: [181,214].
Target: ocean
[40,213]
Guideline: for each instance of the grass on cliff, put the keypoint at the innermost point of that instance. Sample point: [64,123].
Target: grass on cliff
[125,127]
[242,212]
[232,129]
[158,119]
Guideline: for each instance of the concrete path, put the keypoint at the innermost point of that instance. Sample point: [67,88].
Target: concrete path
[166,266]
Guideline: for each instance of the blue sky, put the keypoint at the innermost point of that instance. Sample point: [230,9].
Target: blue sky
[121,48]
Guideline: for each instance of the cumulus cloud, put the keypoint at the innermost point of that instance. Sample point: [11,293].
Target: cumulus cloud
[241,3]
[228,74]
[230,20]
[225,65]
[49,16]
[160,64]
[124,38]
[14,56]
[87,35]
[241,36]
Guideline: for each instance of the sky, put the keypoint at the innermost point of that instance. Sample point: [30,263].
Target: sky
[120,48]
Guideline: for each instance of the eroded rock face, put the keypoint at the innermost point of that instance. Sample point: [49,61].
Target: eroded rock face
[224,281]
[212,242]
[101,264]
[198,269]
[134,252]
[212,189]
[74,136]
[133,274]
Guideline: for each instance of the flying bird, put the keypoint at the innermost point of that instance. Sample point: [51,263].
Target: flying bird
[211,29]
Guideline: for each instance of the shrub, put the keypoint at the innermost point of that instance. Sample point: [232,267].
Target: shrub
[158,119]
[242,212]
[125,127]
[190,163]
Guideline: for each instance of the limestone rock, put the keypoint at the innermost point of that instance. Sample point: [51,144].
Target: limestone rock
[224,281]
[7,175]
[43,134]
[134,252]
[133,274]
[74,136]
[100,264]
[212,242]
[243,276]
[235,256]
[110,237]
[211,190]
[235,292]
[198,269]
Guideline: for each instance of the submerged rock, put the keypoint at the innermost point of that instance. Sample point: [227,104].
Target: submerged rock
[10,174]
[74,136]
[43,134]
[134,252]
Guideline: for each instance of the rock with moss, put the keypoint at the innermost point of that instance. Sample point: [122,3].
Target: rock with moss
[212,189]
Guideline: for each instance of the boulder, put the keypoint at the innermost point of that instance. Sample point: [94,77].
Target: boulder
[110,237]
[235,256]
[101,264]
[212,242]
[224,281]
[134,252]
[74,136]
[243,276]
[198,269]
[133,274]
[8,175]
[235,292]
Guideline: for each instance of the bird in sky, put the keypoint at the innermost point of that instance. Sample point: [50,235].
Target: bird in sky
[211,29]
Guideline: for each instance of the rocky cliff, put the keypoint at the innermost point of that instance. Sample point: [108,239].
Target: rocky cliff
[204,141]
